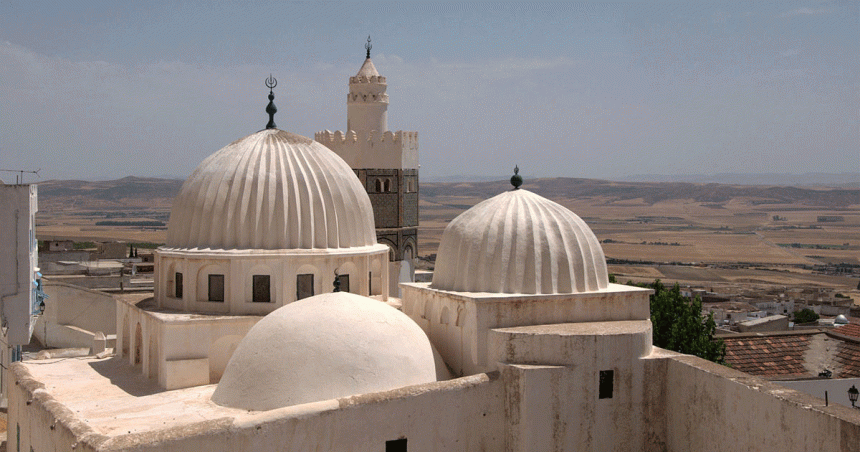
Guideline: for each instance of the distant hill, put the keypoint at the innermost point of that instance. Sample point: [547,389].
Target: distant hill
[154,193]
[126,193]
[652,192]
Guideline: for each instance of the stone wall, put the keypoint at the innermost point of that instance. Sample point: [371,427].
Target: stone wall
[696,405]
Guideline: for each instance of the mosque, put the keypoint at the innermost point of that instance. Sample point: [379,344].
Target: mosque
[274,326]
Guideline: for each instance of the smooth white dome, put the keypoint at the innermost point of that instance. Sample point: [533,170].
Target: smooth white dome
[324,347]
[272,190]
[519,242]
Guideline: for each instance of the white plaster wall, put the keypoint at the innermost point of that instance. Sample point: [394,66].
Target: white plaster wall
[72,306]
[552,380]
[458,415]
[175,346]
[239,266]
[475,314]
[18,260]
[371,149]
[709,407]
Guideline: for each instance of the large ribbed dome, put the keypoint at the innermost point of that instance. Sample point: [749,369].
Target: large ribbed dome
[325,347]
[272,190]
[519,242]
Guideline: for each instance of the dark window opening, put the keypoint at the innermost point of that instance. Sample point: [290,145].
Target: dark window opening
[216,288]
[344,282]
[177,278]
[386,187]
[304,286]
[378,185]
[262,292]
[396,445]
[607,378]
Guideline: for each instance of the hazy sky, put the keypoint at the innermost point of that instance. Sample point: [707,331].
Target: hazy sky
[95,90]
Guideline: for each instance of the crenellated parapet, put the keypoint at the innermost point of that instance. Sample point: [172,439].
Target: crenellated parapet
[364,79]
[373,149]
[366,97]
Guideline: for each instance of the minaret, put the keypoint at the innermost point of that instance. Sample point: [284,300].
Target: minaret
[367,103]
[386,162]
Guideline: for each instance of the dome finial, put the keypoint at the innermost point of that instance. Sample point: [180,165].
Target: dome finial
[516,179]
[368,46]
[271,83]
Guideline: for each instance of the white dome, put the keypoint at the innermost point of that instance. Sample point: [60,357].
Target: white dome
[272,190]
[519,242]
[325,347]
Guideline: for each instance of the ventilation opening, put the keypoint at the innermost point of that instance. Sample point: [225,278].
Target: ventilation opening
[261,289]
[216,288]
[178,283]
[396,445]
[607,378]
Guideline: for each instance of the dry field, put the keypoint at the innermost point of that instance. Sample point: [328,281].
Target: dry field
[773,231]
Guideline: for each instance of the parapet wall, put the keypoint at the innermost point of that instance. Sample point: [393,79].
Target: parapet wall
[707,407]
[373,149]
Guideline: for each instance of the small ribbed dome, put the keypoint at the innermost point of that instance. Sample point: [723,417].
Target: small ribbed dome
[519,242]
[325,347]
[272,190]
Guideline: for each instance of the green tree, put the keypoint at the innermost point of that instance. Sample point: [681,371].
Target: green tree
[678,324]
[805,315]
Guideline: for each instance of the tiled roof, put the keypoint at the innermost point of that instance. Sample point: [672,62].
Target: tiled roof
[768,356]
[851,329]
[848,355]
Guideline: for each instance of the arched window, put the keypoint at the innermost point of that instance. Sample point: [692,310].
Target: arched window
[387,186]
[378,185]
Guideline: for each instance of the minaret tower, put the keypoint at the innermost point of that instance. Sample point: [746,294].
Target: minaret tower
[367,103]
[386,162]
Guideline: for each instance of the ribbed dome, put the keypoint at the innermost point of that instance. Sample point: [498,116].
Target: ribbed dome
[272,190]
[519,242]
[325,347]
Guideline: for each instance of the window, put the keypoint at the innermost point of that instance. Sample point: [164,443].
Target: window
[344,282]
[304,286]
[396,445]
[216,288]
[262,294]
[386,186]
[606,383]
[378,185]
[178,284]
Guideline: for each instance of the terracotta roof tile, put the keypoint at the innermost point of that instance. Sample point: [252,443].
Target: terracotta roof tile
[848,355]
[768,356]
[850,329]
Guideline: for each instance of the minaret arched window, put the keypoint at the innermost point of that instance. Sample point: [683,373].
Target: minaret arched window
[378,185]
[387,185]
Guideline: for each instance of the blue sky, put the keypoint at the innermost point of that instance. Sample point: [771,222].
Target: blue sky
[99,90]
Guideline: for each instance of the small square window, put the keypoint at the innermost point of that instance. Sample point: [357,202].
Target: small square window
[396,445]
[344,282]
[216,288]
[262,291]
[607,378]
[304,286]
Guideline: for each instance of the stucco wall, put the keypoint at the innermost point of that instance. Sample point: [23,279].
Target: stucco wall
[457,415]
[708,407]
[73,315]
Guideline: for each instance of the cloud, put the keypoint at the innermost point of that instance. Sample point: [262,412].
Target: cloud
[806,12]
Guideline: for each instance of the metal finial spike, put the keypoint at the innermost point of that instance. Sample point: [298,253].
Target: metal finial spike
[271,83]
[516,179]
[368,46]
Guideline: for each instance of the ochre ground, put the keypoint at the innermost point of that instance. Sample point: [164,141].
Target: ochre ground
[676,231]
